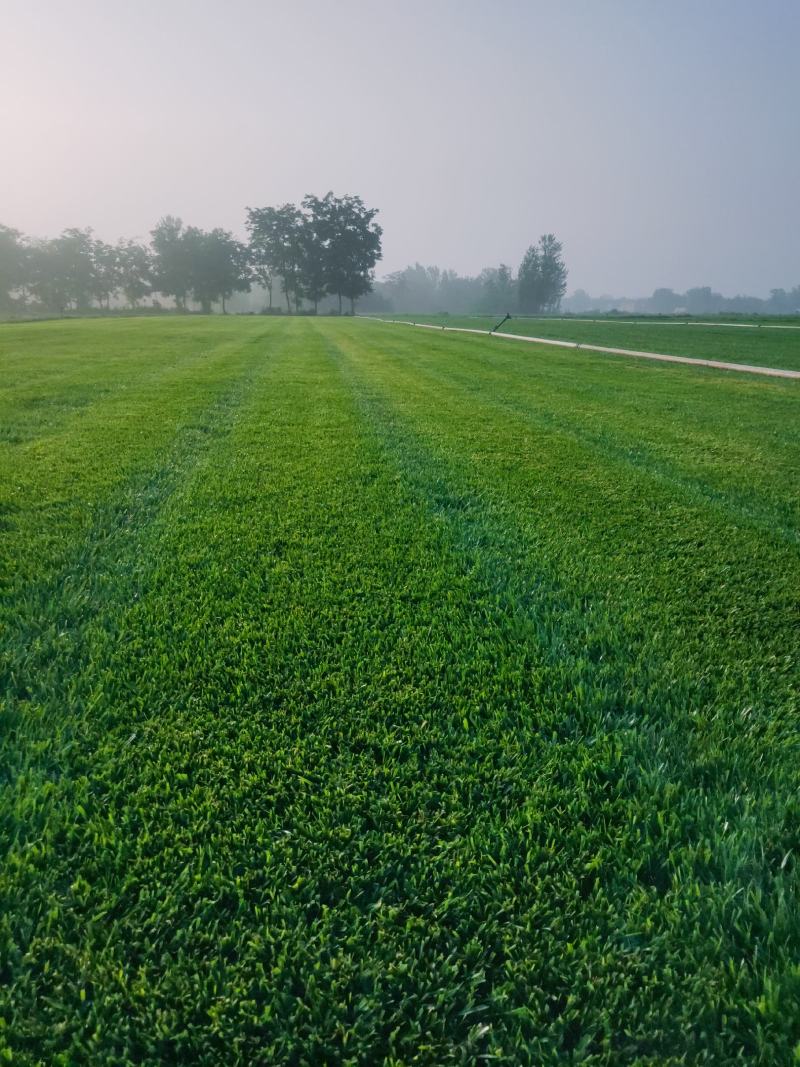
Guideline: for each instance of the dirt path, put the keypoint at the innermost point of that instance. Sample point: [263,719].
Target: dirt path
[745,368]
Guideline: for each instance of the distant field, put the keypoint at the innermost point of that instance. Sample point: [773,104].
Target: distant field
[762,346]
[376,696]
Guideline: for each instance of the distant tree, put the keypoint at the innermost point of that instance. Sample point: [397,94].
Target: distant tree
[47,283]
[218,266]
[542,276]
[664,301]
[498,290]
[530,283]
[782,302]
[554,271]
[62,271]
[262,272]
[276,245]
[457,294]
[579,301]
[74,257]
[314,252]
[352,242]
[489,300]
[172,260]
[105,274]
[135,267]
[415,289]
[745,305]
[506,287]
[703,301]
[13,265]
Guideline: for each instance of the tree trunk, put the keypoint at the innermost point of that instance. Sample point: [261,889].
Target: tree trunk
[224,312]
[340,302]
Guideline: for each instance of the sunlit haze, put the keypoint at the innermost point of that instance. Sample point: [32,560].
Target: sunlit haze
[659,142]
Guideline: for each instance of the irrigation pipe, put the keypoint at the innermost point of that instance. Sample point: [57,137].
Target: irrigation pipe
[744,368]
[659,322]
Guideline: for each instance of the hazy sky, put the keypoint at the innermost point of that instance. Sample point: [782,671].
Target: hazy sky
[659,140]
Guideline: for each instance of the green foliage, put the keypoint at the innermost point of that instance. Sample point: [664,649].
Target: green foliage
[13,265]
[276,246]
[172,259]
[331,246]
[218,266]
[542,276]
[134,271]
[379,697]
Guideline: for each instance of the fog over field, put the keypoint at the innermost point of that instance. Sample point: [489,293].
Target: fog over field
[659,142]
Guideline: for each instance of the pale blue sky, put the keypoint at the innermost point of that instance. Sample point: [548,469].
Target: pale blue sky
[659,141]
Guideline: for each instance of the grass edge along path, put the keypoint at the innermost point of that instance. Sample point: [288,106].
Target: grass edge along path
[475,506]
[745,368]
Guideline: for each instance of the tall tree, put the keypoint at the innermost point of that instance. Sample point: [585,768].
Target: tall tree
[171,260]
[498,289]
[13,265]
[135,266]
[314,251]
[106,275]
[554,271]
[74,258]
[276,245]
[46,281]
[542,276]
[218,266]
[262,272]
[62,271]
[353,243]
[529,290]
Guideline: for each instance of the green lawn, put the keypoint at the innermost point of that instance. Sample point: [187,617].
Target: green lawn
[375,696]
[762,346]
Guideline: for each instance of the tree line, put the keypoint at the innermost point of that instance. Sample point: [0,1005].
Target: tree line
[329,246]
[538,286]
[700,300]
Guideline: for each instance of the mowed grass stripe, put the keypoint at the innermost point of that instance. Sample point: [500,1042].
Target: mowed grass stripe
[668,568]
[713,683]
[242,761]
[357,777]
[734,442]
[98,567]
[609,517]
[71,438]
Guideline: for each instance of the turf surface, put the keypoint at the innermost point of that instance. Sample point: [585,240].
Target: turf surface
[759,346]
[374,696]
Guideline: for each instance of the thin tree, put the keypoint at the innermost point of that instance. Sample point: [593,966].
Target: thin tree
[553,271]
[13,265]
[171,260]
[135,266]
[275,242]
[218,266]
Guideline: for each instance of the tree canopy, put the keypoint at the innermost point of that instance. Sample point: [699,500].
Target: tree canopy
[542,278]
[329,245]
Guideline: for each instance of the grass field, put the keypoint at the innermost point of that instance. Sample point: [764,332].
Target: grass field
[373,696]
[764,346]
